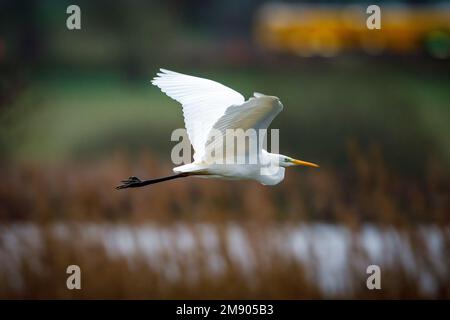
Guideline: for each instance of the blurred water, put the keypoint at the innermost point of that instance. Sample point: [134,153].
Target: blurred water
[327,252]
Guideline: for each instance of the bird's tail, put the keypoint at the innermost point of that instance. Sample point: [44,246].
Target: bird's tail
[134,182]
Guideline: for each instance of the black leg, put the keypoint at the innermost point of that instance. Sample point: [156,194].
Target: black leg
[131,182]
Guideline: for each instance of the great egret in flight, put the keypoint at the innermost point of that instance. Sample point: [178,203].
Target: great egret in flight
[209,106]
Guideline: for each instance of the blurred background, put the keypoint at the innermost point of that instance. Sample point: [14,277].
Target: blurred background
[78,114]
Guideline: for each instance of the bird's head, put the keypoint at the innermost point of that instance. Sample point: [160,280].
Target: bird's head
[286,161]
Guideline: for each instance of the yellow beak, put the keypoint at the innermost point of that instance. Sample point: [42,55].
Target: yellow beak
[304,163]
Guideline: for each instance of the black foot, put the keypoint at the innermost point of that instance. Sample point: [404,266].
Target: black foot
[131,182]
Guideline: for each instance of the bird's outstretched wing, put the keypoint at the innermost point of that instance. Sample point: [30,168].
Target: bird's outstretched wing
[256,113]
[204,102]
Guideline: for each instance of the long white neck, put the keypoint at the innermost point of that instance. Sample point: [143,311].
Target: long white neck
[273,158]
[274,172]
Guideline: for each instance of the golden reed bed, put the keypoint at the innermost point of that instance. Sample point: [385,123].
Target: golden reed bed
[47,210]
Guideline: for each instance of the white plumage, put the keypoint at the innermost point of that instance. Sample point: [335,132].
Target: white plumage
[209,110]
[204,102]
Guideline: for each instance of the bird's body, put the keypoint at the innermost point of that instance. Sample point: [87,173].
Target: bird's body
[213,113]
[236,171]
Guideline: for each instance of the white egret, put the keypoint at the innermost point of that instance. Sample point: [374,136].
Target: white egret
[210,106]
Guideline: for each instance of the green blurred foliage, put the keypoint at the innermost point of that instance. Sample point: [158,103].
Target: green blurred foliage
[86,93]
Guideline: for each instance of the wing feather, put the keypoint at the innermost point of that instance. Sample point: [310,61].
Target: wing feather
[256,113]
[204,102]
